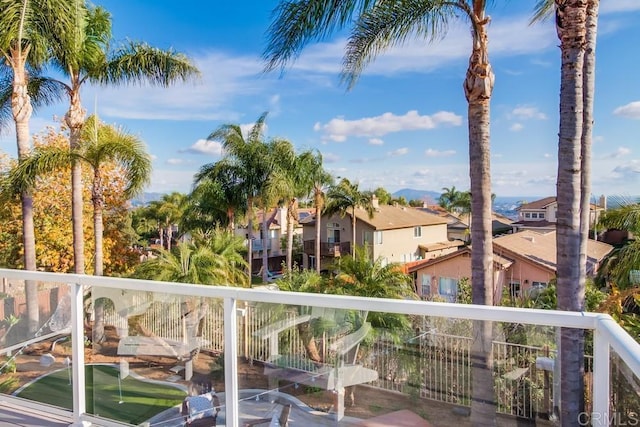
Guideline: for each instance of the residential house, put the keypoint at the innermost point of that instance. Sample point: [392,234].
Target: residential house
[524,262]
[541,215]
[458,223]
[394,233]
[274,243]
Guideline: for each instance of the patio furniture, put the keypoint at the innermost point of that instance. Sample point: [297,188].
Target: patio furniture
[282,420]
[201,410]
[345,372]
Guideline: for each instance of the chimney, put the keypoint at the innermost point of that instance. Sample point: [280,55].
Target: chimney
[374,202]
[603,202]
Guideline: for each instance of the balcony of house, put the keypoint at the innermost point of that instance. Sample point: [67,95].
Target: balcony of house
[120,352]
[328,249]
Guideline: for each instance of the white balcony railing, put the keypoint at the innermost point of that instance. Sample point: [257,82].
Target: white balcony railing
[609,337]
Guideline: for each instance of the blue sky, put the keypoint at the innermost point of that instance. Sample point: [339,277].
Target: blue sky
[402,125]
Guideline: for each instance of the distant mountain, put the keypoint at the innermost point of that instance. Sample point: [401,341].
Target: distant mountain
[425,195]
[145,198]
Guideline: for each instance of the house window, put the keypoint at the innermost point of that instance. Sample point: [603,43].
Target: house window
[534,215]
[537,288]
[448,288]
[541,215]
[417,231]
[514,289]
[377,237]
[527,215]
[425,286]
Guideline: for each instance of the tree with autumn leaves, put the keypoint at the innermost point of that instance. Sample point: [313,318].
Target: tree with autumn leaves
[52,217]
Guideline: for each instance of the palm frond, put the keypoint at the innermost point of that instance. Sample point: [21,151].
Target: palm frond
[297,22]
[542,11]
[6,89]
[141,63]
[625,217]
[392,23]
[45,91]
[257,130]
[42,161]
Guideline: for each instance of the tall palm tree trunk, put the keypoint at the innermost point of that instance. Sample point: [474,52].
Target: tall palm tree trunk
[318,203]
[98,263]
[169,234]
[588,79]
[478,87]
[291,218]
[22,109]
[231,219]
[74,118]
[250,237]
[571,27]
[353,232]
[265,254]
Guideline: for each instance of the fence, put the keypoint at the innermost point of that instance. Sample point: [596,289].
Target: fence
[431,365]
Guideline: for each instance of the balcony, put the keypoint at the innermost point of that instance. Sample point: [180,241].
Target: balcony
[166,341]
[328,249]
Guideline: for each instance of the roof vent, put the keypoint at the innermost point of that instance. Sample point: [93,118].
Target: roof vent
[529,238]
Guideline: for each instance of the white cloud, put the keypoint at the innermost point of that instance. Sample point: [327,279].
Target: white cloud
[611,6]
[630,111]
[330,158]
[338,129]
[510,37]
[627,171]
[203,146]
[619,153]
[422,172]
[524,112]
[398,152]
[175,161]
[516,127]
[437,153]
[224,78]
[376,141]
[547,155]
[169,180]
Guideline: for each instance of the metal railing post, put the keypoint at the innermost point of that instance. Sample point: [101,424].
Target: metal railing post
[601,372]
[231,362]
[77,351]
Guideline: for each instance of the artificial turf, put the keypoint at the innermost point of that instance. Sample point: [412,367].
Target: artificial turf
[140,400]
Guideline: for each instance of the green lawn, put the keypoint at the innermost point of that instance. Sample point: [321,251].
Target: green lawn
[140,400]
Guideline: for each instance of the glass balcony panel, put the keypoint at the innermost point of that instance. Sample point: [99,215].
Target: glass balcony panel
[327,363]
[35,363]
[154,357]
[625,395]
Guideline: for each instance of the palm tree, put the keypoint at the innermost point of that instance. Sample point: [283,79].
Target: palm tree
[576,25]
[246,158]
[377,26]
[625,259]
[27,29]
[169,210]
[213,259]
[219,181]
[311,165]
[89,59]
[101,145]
[360,276]
[448,197]
[347,196]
